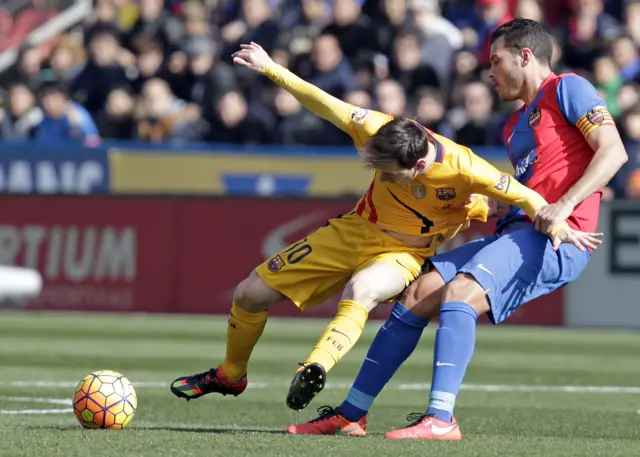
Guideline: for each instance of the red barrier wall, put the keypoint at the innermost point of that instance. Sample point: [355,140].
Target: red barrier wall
[171,254]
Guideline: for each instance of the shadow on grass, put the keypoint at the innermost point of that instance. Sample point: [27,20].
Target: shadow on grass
[168,428]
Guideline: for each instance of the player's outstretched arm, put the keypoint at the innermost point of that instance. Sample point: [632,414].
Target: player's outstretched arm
[488,180]
[256,59]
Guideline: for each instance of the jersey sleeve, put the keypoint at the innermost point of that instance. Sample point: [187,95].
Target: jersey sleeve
[487,180]
[359,123]
[581,104]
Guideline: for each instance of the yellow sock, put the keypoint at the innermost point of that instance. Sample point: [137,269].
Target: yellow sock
[341,334]
[243,333]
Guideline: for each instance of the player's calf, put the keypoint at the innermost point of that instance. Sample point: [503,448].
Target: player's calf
[424,296]
[370,286]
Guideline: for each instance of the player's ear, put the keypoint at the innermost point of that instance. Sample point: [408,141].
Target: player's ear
[421,164]
[527,56]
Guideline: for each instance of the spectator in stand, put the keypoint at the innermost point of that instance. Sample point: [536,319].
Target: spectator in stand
[332,71]
[117,121]
[102,73]
[67,60]
[431,111]
[406,64]
[627,181]
[632,20]
[482,126]
[235,123]
[20,118]
[353,29]
[608,82]
[27,70]
[157,23]
[391,98]
[103,19]
[625,55]
[163,117]
[64,119]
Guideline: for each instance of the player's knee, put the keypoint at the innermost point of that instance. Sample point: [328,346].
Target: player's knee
[361,289]
[254,295]
[421,288]
[464,288]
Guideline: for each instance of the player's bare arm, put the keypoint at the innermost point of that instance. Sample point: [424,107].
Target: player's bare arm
[609,156]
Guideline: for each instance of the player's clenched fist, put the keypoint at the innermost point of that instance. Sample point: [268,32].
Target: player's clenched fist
[252,56]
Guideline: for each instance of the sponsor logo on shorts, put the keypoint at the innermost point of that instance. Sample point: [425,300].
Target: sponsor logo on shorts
[276,264]
[535,117]
[418,191]
[446,193]
[504,183]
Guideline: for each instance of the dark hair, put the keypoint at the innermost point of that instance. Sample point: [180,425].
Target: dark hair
[53,87]
[401,141]
[525,33]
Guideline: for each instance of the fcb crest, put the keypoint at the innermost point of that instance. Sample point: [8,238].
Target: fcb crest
[446,193]
[596,116]
[276,264]
[418,191]
[534,117]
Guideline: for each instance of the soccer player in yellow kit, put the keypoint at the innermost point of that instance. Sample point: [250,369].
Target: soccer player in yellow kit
[422,194]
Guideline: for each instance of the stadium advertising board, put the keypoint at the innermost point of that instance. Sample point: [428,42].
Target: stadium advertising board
[171,255]
[606,294]
[52,170]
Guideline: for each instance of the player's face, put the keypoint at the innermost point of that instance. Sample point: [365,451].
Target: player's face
[506,73]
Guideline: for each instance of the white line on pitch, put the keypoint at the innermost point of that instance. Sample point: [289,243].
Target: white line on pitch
[53,401]
[404,386]
[35,411]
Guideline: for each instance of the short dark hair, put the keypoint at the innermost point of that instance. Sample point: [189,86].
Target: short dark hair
[525,33]
[401,141]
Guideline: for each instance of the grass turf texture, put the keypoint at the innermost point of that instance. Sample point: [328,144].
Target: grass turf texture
[43,355]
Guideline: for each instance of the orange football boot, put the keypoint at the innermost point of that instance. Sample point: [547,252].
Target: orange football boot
[330,422]
[427,428]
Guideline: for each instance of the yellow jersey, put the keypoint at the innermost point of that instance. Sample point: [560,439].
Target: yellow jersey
[435,204]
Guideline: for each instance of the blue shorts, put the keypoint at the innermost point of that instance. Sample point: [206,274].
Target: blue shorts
[517,264]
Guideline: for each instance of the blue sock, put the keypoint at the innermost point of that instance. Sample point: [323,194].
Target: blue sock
[455,340]
[395,341]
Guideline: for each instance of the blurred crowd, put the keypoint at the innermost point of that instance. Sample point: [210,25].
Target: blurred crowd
[160,70]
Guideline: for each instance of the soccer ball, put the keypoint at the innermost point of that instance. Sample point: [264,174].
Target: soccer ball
[104,399]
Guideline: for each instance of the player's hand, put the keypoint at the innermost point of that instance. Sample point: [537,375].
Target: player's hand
[252,56]
[581,240]
[551,216]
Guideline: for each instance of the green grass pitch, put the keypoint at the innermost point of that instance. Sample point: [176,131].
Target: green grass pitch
[526,393]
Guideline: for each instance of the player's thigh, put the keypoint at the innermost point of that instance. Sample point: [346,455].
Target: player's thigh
[383,278]
[449,263]
[520,266]
[312,269]
[423,297]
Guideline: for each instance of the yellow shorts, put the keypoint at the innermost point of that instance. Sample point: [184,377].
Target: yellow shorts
[316,267]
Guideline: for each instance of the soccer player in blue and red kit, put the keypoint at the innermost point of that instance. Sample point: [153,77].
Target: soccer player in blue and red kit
[563,144]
